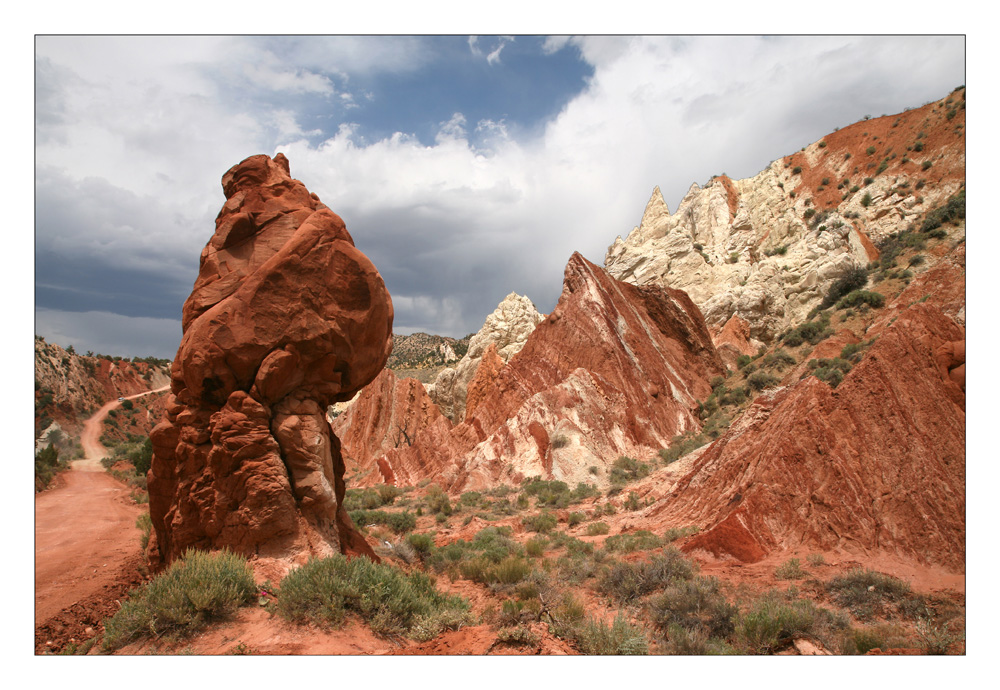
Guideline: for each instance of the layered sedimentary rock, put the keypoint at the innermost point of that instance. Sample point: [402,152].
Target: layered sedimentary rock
[508,328]
[387,414]
[876,464]
[285,318]
[614,370]
[768,248]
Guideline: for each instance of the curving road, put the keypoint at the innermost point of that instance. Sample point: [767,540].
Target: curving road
[84,528]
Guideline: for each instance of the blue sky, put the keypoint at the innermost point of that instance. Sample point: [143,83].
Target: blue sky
[465,167]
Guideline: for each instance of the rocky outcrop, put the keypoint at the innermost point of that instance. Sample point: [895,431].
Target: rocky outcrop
[875,465]
[614,370]
[285,318]
[768,248]
[508,327]
[388,413]
[733,341]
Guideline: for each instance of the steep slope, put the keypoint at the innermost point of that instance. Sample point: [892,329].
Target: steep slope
[876,464]
[614,369]
[388,413]
[508,327]
[768,248]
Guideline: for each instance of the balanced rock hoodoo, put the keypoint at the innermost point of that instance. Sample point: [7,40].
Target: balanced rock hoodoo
[285,318]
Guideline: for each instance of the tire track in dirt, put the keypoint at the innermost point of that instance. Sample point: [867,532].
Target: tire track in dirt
[86,541]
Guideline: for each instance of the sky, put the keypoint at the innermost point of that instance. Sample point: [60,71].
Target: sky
[465,167]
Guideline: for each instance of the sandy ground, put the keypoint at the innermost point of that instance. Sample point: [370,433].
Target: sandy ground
[86,542]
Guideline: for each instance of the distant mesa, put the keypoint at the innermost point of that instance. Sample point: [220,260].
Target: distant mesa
[285,318]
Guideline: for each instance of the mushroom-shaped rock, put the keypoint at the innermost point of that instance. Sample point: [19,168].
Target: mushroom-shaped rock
[286,317]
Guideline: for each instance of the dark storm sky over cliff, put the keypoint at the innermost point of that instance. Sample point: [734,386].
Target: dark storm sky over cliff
[465,167]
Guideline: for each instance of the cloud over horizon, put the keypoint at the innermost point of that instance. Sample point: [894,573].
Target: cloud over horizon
[467,199]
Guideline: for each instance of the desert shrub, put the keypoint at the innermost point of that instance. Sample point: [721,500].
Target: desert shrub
[855,278]
[759,380]
[683,642]
[399,522]
[779,359]
[695,605]
[937,639]
[797,169]
[770,622]
[362,499]
[47,465]
[640,540]
[865,592]
[198,588]
[681,445]
[560,441]
[575,519]
[392,603]
[626,469]
[518,636]
[789,570]
[926,165]
[145,525]
[540,522]
[777,251]
[675,533]
[858,297]
[815,559]
[535,546]
[952,210]
[422,543]
[596,637]
[743,360]
[810,331]
[509,571]
[596,528]
[851,349]
[437,500]
[862,640]
[626,582]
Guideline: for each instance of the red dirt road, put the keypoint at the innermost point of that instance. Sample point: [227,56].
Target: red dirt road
[86,541]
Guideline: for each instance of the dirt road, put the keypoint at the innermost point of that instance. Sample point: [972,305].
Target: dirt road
[86,541]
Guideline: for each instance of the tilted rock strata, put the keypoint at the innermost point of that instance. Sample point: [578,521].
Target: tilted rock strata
[614,370]
[285,318]
[388,413]
[874,465]
[508,327]
[768,248]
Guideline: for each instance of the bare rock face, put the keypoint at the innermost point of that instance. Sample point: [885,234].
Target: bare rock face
[614,370]
[876,465]
[768,248]
[285,318]
[387,414]
[508,327]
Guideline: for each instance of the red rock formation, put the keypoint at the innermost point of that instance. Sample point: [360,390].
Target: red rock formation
[389,413]
[734,340]
[875,465]
[486,374]
[614,369]
[286,317]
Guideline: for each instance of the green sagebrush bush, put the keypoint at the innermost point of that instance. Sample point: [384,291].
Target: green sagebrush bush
[196,589]
[324,590]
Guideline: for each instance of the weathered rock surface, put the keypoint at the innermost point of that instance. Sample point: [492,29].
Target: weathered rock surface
[767,248]
[614,369]
[388,413]
[508,327]
[285,318]
[874,465]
